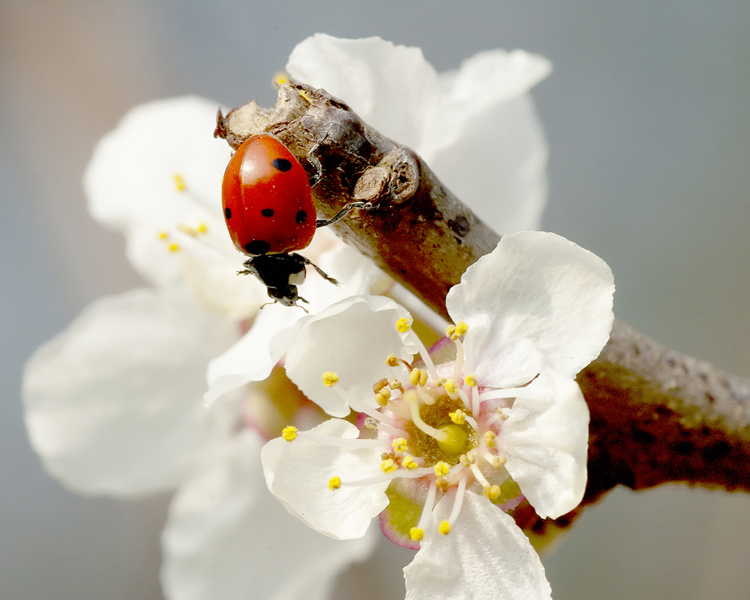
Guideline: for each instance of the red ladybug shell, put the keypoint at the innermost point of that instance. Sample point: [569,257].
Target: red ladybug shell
[267,200]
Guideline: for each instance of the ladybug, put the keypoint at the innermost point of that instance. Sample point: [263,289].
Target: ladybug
[270,213]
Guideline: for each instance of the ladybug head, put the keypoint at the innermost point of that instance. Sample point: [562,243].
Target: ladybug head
[281,274]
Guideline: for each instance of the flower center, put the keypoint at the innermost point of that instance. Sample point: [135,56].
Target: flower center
[437,433]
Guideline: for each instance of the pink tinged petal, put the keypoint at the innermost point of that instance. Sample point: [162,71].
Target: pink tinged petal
[545,441]
[298,474]
[113,404]
[352,338]
[256,353]
[391,87]
[536,299]
[484,557]
[228,538]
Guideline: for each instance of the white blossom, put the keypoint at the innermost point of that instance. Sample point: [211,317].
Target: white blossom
[448,436]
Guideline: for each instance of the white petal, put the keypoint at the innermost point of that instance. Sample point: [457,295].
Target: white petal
[484,557]
[113,404]
[392,88]
[537,296]
[352,338]
[131,187]
[298,472]
[497,165]
[476,127]
[255,354]
[228,538]
[545,440]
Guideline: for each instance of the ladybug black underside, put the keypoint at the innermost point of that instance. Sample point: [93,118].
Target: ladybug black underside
[281,274]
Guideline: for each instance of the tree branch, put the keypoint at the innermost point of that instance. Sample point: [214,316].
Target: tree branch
[656,416]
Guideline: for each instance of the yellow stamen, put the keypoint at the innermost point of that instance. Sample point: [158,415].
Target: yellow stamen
[489,438]
[461,328]
[458,417]
[289,433]
[442,469]
[202,228]
[179,182]
[388,465]
[381,400]
[470,380]
[445,528]
[411,399]
[379,385]
[416,534]
[280,78]
[450,386]
[392,361]
[410,463]
[399,445]
[330,379]
[163,235]
[403,325]
[173,247]
[334,483]
[492,492]
[450,330]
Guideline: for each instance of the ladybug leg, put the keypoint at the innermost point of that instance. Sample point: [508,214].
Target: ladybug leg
[343,212]
[320,271]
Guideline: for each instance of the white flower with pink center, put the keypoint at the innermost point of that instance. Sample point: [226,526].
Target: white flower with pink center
[447,442]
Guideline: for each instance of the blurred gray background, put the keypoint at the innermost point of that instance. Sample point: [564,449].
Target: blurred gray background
[648,119]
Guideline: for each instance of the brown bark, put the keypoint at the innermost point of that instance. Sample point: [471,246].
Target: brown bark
[656,416]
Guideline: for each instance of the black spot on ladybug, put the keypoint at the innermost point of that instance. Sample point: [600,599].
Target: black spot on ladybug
[301,217]
[267,212]
[257,247]
[282,164]
[227,213]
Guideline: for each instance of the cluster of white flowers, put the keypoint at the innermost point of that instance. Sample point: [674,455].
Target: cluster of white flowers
[177,386]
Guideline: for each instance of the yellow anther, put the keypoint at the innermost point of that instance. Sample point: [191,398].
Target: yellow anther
[489,438]
[445,528]
[450,331]
[416,534]
[461,328]
[202,228]
[330,379]
[399,445]
[450,386]
[492,492]
[418,377]
[392,361]
[470,380]
[179,182]
[388,465]
[455,442]
[289,433]
[396,385]
[371,423]
[334,483]
[497,461]
[458,417]
[403,325]
[409,462]
[381,399]
[463,460]
[471,456]
[442,484]
[442,469]
[280,78]
[173,247]
[163,235]
[379,385]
